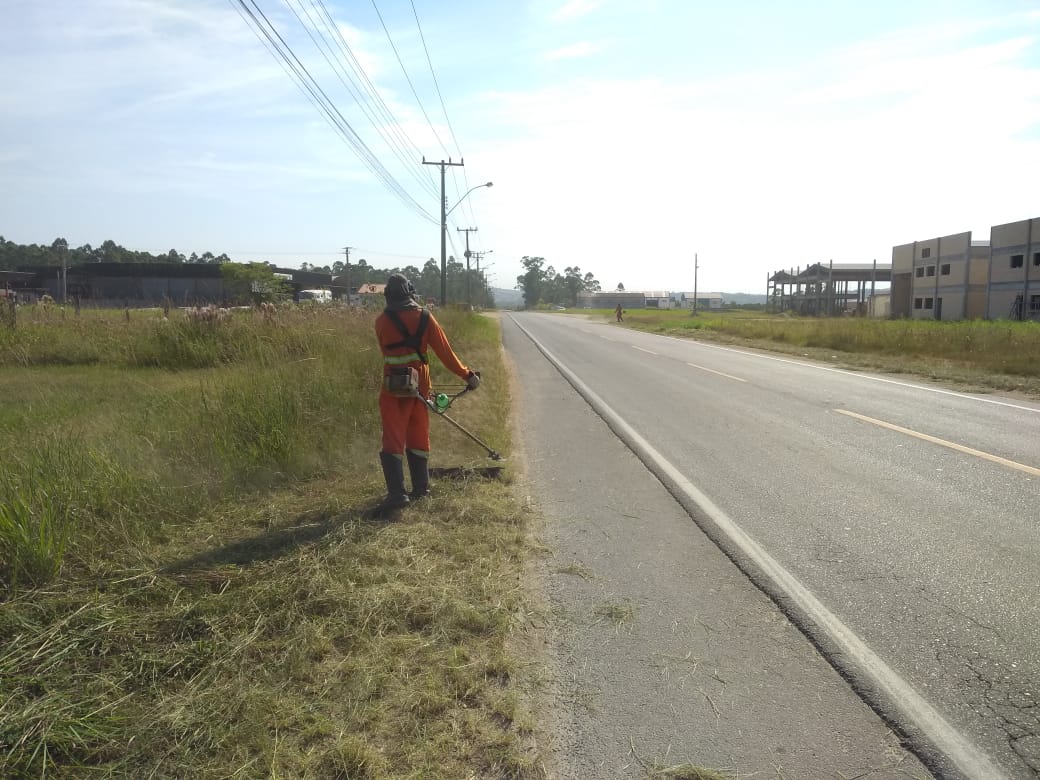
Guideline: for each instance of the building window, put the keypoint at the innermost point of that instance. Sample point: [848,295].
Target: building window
[927,252]
[1036,258]
[917,303]
[944,269]
[1017,260]
[928,302]
[930,270]
[920,272]
[1034,303]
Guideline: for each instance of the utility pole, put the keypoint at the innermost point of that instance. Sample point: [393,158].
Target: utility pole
[467,231]
[478,256]
[695,267]
[346,252]
[444,227]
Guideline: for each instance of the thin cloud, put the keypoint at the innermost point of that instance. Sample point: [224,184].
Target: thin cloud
[786,153]
[574,9]
[573,51]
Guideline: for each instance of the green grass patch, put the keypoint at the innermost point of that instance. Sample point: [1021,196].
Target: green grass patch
[191,586]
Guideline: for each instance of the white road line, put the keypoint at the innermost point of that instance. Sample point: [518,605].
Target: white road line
[900,694]
[648,351]
[608,338]
[712,370]
[859,375]
[1011,464]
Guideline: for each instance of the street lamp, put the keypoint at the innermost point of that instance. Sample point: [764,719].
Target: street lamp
[444,238]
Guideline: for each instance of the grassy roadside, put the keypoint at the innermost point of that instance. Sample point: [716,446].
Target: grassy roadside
[981,356]
[190,586]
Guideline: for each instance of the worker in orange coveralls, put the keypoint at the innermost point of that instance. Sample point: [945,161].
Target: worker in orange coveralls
[406,331]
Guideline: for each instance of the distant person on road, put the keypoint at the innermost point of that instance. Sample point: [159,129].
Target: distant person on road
[618,311]
[406,331]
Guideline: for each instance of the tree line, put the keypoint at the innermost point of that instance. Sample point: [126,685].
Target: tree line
[545,286]
[462,285]
[541,285]
[13,255]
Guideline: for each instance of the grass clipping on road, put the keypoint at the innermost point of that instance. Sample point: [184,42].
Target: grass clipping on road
[191,588]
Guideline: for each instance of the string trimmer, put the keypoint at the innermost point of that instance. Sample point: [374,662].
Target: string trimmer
[442,402]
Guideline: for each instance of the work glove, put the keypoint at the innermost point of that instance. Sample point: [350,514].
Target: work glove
[472,380]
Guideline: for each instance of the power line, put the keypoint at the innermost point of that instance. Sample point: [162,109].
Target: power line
[435,83]
[322,44]
[409,80]
[444,108]
[306,82]
[390,130]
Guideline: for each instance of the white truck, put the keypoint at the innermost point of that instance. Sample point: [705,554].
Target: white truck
[315,296]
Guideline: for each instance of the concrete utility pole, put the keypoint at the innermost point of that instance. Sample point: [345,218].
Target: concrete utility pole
[346,252]
[467,231]
[444,227]
[478,256]
[695,267]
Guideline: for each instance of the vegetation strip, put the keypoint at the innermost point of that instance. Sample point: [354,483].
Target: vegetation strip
[189,585]
[977,354]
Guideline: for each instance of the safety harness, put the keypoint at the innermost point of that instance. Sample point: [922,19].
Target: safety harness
[414,341]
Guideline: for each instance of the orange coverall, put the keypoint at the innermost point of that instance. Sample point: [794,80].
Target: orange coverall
[406,421]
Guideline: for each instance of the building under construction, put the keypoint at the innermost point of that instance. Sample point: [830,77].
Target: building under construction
[950,277]
[827,290]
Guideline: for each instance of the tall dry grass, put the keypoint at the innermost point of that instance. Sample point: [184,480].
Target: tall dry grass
[190,585]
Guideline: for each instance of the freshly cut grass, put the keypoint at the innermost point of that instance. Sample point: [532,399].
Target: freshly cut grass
[208,596]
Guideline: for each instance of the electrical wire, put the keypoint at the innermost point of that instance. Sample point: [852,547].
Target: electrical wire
[277,45]
[323,46]
[365,93]
[408,78]
[444,108]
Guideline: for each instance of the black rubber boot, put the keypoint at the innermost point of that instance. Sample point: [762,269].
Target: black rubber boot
[419,468]
[393,473]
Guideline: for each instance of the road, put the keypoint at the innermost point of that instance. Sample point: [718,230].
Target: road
[898,524]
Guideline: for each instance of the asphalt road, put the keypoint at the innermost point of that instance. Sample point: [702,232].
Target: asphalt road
[908,515]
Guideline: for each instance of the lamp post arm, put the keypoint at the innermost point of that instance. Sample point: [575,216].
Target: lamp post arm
[488,184]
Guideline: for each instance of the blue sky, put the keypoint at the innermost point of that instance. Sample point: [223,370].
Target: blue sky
[622,137]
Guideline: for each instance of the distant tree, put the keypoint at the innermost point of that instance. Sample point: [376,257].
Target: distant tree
[253,282]
[532,280]
[110,252]
[573,283]
[429,282]
[620,287]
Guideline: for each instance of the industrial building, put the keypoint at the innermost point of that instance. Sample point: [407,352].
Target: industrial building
[956,278]
[1013,283]
[149,284]
[944,278]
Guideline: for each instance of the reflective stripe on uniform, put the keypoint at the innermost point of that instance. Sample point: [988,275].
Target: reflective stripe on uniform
[399,360]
